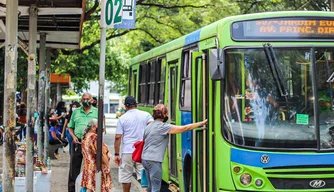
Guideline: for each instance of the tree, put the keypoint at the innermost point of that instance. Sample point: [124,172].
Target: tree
[158,22]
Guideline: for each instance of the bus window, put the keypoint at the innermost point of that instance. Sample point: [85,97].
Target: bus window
[143,84]
[256,113]
[325,92]
[151,83]
[185,100]
[172,92]
[160,82]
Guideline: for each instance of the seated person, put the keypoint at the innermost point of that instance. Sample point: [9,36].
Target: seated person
[55,136]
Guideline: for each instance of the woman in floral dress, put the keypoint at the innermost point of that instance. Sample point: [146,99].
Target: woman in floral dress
[89,150]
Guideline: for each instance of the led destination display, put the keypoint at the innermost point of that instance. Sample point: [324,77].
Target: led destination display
[284,28]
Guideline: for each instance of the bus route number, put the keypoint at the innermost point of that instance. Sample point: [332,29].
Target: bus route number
[113,12]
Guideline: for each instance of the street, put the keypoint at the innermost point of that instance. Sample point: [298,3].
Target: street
[108,139]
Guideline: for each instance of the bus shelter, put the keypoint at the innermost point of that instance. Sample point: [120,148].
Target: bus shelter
[28,25]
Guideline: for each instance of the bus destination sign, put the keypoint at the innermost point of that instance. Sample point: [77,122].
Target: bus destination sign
[284,29]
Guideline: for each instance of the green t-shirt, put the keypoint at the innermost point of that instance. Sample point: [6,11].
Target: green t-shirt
[79,120]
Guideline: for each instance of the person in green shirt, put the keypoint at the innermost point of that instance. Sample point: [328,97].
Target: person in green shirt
[78,122]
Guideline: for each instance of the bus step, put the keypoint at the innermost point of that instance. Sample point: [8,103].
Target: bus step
[173,188]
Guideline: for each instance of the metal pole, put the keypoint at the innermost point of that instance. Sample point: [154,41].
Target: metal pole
[10,95]
[31,101]
[332,5]
[47,104]
[41,94]
[58,93]
[100,120]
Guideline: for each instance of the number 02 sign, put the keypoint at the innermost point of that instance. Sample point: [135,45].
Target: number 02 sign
[111,12]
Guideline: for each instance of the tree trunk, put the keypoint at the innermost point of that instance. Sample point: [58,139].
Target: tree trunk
[10,94]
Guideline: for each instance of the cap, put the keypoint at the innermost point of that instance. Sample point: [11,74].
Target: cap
[129,100]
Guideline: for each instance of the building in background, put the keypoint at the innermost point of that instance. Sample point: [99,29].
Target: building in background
[112,100]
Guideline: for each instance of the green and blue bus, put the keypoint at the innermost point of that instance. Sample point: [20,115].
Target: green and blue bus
[265,83]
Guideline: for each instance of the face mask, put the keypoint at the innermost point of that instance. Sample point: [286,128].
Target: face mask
[166,119]
[86,103]
[73,109]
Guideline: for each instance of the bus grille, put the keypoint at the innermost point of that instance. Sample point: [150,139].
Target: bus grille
[301,178]
[293,183]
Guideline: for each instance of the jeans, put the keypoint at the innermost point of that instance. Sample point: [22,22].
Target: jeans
[69,139]
[75,166]
[153,171]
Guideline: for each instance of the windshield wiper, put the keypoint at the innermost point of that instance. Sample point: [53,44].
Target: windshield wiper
[277,73]
[329,82]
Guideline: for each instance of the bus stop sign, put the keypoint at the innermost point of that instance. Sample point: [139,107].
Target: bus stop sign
[119,14]
[111,13]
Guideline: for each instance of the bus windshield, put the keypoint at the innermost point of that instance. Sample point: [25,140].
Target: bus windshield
[257,114]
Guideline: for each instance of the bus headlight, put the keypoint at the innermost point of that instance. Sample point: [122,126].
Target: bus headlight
[245,179]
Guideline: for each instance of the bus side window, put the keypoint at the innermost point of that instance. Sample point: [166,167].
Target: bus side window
[185,99]
[151,83]
[143,84]
[160,80]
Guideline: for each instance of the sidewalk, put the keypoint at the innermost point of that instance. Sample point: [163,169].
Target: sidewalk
[60,169]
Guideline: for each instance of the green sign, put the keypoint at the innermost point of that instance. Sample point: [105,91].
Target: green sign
[302,119]
[111,13]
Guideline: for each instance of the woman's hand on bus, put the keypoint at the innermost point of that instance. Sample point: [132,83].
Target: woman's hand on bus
[204,122]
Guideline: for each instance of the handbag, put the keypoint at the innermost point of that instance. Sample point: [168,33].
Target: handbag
[136,155]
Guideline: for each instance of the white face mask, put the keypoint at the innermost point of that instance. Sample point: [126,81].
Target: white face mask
[74,108]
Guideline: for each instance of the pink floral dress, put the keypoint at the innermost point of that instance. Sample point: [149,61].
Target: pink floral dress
[89,150]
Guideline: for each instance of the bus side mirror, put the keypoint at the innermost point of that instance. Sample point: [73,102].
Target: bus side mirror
[217,67]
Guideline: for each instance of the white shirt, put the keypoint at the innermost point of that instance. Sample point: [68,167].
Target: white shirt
[132,125]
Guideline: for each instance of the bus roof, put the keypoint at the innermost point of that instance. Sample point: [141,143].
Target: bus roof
[211,31]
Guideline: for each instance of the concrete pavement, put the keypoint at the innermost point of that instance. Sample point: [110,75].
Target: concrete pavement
[60,167]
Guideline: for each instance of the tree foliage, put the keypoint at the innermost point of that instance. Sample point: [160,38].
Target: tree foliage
[157,22]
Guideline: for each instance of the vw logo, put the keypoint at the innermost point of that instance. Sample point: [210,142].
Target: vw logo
[317,183]
[265,159]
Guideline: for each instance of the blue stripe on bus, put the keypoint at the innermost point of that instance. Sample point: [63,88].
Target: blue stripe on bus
[192,37]
[253,158]
[186,136]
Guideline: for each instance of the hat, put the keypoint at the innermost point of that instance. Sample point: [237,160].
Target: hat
[129,100]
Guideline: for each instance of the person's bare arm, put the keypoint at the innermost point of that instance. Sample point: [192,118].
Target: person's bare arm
[117,143]
[181,129]
[75,138]
[64,128]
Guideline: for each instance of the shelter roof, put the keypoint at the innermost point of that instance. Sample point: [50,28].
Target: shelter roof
[61,20]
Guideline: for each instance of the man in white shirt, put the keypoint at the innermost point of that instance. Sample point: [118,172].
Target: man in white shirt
[130,129]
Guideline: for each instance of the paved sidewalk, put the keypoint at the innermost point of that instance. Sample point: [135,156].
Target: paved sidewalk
[60,168]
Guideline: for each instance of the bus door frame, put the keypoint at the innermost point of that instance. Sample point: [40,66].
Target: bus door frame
[199,113]
[171,65]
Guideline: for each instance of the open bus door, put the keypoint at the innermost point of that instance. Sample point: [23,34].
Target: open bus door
[200,158]
[171,103]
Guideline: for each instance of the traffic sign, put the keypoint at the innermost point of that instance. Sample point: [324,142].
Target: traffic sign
[111,13]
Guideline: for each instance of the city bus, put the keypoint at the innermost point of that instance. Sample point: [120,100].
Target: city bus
[265,83]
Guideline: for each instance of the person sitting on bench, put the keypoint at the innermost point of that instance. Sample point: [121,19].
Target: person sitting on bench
[55,137]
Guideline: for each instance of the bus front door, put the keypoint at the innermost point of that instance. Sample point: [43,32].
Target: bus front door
[171,103]
[199,113]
